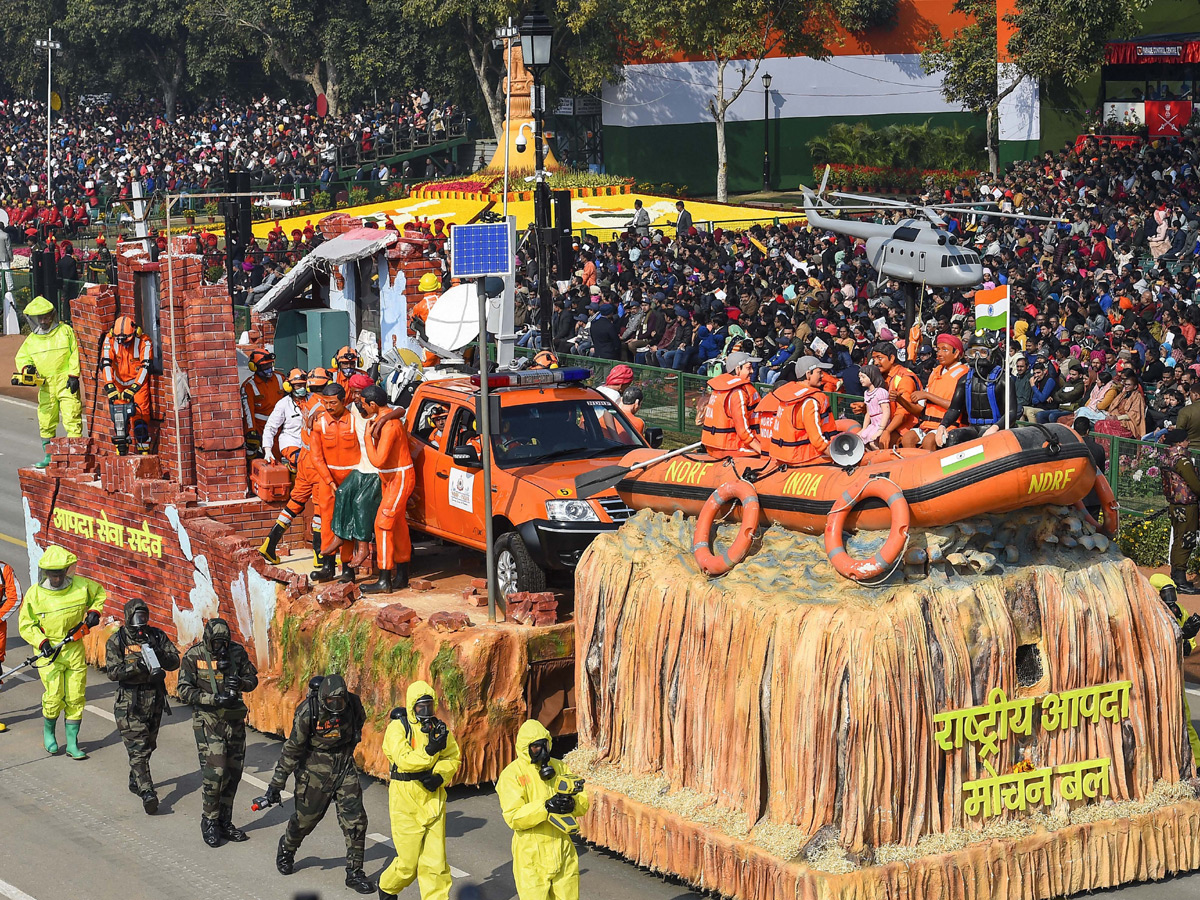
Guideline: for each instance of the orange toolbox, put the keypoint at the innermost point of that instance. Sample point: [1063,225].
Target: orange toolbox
[271,481]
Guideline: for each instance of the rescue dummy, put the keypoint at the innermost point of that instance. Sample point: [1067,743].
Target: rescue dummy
[60,608]
[326,728]
[260,392]
[797,421]
[137,657]
[308,402]
[125,358]
[540,799]
[1189,627]
[388,450]
[10,600]
[335,453]
[49,358]
[424,758]
[728,427]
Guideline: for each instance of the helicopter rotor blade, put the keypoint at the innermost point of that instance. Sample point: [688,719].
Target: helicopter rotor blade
[1008,215]
[824,181]
[933,216]
[881,201]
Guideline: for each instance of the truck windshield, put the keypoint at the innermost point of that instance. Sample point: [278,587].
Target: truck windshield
[562,429]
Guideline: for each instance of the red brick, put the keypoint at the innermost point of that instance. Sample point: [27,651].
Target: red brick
[420,584]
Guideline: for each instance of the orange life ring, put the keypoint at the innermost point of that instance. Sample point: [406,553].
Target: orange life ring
[702,541]
[866,569]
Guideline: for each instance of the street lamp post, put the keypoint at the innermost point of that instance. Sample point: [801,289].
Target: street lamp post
[766,83]
[51,46]
[537,39]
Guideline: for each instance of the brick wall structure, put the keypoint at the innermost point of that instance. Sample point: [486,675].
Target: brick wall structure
[191,492]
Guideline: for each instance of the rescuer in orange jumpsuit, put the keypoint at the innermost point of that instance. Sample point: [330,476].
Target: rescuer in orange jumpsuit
[334,452]
[800,423]
[728,428]
[388,451]
[260,392]
[346,366]
[10,599]
[125,359]
[310,407]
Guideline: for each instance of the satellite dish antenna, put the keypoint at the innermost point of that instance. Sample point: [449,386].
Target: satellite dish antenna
[454,320]
[847,450]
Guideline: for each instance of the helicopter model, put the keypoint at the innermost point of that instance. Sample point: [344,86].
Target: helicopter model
[917,250]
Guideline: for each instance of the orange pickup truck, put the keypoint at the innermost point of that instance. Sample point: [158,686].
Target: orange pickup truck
[551,428]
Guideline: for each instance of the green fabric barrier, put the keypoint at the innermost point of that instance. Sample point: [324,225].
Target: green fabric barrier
[355,506]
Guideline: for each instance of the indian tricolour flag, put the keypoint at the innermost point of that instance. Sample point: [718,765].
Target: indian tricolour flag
[962,459]
[991,309]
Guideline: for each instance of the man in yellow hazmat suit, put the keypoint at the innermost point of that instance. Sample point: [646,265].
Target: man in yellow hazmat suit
[545,864]
[424,758]
[61,604]
[1189,626]
[50,353]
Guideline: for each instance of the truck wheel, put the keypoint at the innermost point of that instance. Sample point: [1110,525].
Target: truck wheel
[515,569]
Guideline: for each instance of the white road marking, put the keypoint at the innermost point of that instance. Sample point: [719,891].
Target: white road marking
[28,404]
[13,893]
[262,785]
[384,839]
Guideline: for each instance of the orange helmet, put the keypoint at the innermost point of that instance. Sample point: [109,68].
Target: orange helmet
[318,378]
[123,329]
[260,359]
[347,356]
[545,359]
[297,378]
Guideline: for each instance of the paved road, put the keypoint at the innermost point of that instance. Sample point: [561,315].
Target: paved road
[71,829]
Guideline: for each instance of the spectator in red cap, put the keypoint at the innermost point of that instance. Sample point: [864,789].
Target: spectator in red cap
[930,405]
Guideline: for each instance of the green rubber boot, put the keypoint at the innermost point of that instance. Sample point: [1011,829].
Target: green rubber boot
[45,459]
[48,737]
[73,750]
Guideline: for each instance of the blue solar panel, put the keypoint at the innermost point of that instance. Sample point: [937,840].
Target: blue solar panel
[480,250]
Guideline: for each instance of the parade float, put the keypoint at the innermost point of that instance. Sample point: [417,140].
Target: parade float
[180,527]
[997,714]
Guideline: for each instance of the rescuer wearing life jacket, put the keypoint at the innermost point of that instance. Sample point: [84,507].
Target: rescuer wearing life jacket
[979,398]
[930,405]
[900,383]
[728,427]
[797,417]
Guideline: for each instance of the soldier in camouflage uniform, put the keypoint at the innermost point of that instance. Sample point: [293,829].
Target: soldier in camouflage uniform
[212,677]
[142,695]
[320,750]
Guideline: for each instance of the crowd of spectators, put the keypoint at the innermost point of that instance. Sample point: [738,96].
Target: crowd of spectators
[1103,322]
[100,148]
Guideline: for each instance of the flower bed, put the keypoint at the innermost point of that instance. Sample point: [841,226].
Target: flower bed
[876,179]
[580,184]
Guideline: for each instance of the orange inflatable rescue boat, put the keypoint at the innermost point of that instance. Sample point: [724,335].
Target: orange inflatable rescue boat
[885,490]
